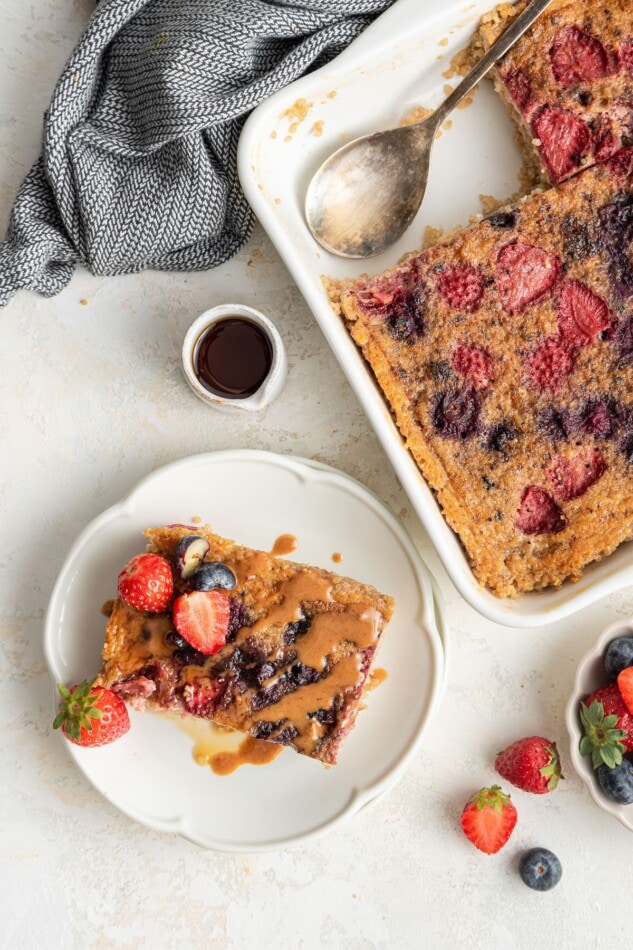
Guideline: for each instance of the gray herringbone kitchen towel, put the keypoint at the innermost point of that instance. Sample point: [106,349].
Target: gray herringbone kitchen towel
[138,163]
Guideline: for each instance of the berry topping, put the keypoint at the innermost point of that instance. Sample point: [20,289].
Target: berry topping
[488,819]
[189,553]
[577,56]
[618,655]
[90,715]
[540,869]
[455,413]
[608,726]
[582,314]
[579,242]
[550,363]
[439,370]
[211,575]
[202,618]
[402,305]
[523,274]
[625,445]
[600,417]
[616,231]
[565,139]
[531,764]
[519,87]
[503,219]
[474,363]
[625,685]
[555,424]
[605,142]
[621,165]
[571,477]
[461,286]
[202,696]
[499,437]
[146,583]
[538,512]
[623,341]
[626,55]
[617,783]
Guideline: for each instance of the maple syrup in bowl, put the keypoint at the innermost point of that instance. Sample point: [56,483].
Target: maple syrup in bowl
[234,359]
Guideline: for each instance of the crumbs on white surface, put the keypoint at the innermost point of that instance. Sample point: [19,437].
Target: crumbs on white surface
[317,128]
[196,519]
[296,114]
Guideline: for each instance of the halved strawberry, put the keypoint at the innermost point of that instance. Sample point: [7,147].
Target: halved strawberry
[538,512]
[582,314]
[565,139]
[202,618]
[474,363]
[90,715]
[488,819]
[578,56]
[550,363]
[625,685]
[571,477]
[519,87]
[524,273]
[146,582]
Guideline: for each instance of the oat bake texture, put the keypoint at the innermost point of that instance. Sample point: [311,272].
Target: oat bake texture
[297,657]
[568,82]
[506,356]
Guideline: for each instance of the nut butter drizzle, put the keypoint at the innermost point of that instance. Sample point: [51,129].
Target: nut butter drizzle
[284,544]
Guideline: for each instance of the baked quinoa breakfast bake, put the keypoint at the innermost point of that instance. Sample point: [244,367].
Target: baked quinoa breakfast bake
[506,356]
[274,649]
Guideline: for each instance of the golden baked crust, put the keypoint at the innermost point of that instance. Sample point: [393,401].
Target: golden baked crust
[503,391]
[297,657]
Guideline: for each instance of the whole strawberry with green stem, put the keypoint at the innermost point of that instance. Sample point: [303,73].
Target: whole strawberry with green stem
[532,764]
[91,715]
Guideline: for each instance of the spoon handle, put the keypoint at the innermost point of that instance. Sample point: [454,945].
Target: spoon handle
[498,49]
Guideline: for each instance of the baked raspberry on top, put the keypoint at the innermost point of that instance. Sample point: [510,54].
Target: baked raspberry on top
[569,81]
[506,355]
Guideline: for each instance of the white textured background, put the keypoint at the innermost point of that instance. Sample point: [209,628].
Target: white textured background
[91,400]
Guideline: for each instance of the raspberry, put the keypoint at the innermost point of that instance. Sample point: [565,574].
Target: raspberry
[623,340]
[577,56]
[549,364]
[538,512]
[455,413]
[474,363]
[523,274]
[461,286]
[571,477]
[565,139]
[519,87]
[582,314]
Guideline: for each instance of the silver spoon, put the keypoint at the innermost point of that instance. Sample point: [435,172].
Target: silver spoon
[365,196]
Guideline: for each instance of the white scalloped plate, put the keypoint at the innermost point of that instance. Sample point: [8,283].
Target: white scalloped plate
[253,497]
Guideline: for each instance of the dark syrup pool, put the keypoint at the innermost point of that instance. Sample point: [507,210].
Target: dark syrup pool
[233,357]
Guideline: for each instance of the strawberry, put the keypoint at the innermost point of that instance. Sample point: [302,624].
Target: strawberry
[625,685]
[523,274]
[538,512]
[626,55]
[577,56]
[571,477]
[474,363]
[565,139]
[90,715]
[621,165]
[550,363]
[582,314]
[608,726]
[488,819]
[461,286]
[519,87]
[605,142]
[202,618]
[146,582]
[531,764]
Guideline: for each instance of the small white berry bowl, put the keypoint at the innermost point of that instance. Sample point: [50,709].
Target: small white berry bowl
[591,675]
[275,379]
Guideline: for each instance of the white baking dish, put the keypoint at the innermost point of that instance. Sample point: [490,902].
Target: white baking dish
[393,67]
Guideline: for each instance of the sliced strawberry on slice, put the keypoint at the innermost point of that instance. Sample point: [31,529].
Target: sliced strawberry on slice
[519,87]
[582,314]
[549,364]
[488,819]
[625,685]
[523,274]
[538,512]
[565,139]
[474,363]
[202,618]
[461,286]
[146,582]
[90,715]
[578,56]
[571,477]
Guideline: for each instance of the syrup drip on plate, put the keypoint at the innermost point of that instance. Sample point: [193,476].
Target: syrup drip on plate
[284,544]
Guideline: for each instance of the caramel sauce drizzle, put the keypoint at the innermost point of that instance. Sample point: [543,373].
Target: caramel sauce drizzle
[284,544]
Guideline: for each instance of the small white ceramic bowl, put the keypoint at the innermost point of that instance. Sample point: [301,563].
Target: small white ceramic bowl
[590,676]
[278,373]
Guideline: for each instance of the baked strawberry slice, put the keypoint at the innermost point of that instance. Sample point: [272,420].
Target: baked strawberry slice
[565,139]
[538,512]
[572,477]
[488,819]
[474,363]
[519,87]
[91,715]
[146,583]
[523,274]
[625,685]
[461,286]
[202,619]
[532,764]
[607,726]
[550,363]
[578,56]
[582,315]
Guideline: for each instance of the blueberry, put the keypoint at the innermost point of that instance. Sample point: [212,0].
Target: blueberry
[579,242]
[618,655]
[405,321]
[623,341]
[499,437]
[555,424]
[601,417]
[625,446]
[540,869]
[617,783]
[455,413]
[211,575]
[616,221]
[503,219]
[189,553]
